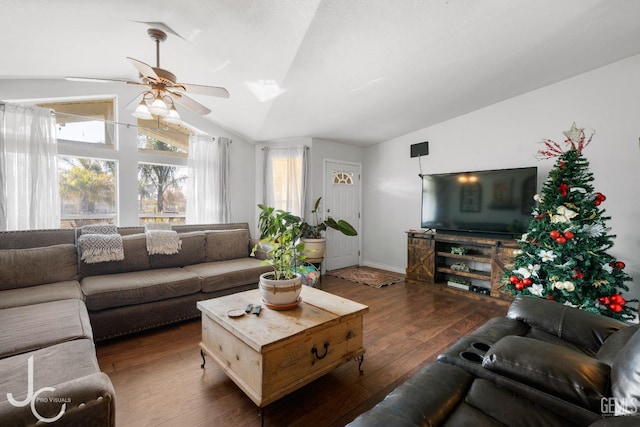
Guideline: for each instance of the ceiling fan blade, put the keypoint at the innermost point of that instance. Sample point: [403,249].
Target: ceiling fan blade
[205,90]
[144,69]
[190,103]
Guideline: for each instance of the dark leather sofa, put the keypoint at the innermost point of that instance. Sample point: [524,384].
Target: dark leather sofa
[543,364]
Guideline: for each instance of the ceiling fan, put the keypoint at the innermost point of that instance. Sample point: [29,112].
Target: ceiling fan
[163,89]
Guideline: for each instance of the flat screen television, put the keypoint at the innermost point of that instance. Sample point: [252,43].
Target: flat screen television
[490,202]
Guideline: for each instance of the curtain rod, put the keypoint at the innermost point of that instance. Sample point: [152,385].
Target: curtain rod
[306,147]
[128,125]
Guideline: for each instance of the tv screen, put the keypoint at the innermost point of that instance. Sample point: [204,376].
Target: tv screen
[488,201]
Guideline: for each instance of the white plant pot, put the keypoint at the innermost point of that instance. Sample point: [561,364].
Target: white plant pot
[314,249]
[280,292]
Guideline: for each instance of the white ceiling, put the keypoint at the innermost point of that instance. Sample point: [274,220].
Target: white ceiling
[355,71]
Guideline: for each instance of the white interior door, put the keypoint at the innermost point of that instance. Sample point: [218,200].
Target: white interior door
[342,201]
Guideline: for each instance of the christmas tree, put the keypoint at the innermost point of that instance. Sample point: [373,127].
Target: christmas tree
[564,252]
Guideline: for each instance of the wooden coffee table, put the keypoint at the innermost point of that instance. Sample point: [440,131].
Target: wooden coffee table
[276,352]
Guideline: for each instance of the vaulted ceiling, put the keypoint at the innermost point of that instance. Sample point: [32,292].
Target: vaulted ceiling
[355,71]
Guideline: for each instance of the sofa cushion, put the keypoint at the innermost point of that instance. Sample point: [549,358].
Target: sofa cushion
[136,258]
[71,369]
[39,294]
[625,377]
[20,268]
[564,322]
[191,252]
[116,290]
[31,327]
[496,403]
[217,276]
[565,373]
[227,244]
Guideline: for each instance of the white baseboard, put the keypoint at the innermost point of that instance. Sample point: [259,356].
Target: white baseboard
[393,268]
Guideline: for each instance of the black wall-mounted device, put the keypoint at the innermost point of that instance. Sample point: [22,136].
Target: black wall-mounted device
[420,149]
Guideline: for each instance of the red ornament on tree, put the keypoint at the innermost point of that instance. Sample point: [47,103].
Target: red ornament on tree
[554,234]
[569,235]
[563,188]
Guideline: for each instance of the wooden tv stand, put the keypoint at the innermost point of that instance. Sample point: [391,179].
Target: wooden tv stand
[434,258]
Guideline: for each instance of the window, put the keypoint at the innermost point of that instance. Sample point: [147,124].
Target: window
[285,178]
[90,163]
[84,121]
[174,138]
[87,191]
[162,193]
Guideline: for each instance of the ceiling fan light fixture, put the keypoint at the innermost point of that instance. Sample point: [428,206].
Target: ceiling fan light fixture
[173,117]
[159,107]
[142,111]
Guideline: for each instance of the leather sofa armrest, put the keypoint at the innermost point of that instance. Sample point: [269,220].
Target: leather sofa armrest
[561,372]
[425,399]
[586,330]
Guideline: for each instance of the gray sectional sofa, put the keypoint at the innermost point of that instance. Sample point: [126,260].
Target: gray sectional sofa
[54,306]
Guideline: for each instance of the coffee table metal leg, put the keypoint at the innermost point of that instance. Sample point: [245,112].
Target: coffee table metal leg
[261,414]
[203,359]
[360,359]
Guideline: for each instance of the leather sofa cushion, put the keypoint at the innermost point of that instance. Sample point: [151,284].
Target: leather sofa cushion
[36,326]
[227,244]
[220,275]
[498,327]
[72,370]
[625,377]
[564,322]
[39,294]
[136,258]
[21,268]
[117,290]
[496,403]
[191,252]
[567,374]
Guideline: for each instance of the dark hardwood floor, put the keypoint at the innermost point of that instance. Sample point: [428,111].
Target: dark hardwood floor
[159,382]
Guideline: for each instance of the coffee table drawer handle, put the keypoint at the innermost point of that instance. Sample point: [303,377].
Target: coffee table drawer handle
[314,351]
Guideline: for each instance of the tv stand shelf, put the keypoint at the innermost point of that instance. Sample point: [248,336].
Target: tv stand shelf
[476,258]
[480,275]
[435,258]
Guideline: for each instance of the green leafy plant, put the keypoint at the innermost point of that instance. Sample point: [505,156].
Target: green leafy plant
[280,233]
[315,231]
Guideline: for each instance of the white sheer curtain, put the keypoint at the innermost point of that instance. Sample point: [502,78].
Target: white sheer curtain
[285,176]
[28,168]
[208,183]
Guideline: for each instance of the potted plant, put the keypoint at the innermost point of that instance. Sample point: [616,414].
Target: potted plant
[314,241]
[280,238]
[459,283]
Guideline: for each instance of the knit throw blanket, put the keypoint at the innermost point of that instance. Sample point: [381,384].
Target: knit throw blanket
[100,243]
[161,240]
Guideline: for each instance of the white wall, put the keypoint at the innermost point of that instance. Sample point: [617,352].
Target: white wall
[506,135]
[242,179]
